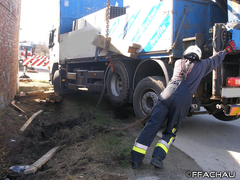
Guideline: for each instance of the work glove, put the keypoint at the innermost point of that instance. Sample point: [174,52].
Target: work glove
[230,46]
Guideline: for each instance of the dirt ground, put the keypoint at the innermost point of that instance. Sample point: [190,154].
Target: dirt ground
[88,148]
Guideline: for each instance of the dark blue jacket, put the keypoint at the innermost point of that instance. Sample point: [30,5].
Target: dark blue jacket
[199,70]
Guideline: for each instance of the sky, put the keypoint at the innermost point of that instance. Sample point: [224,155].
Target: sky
[37,19]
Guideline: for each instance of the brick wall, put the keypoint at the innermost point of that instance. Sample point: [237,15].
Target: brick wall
[9,41]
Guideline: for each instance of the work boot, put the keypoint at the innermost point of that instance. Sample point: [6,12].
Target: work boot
[135,165]
[157,162]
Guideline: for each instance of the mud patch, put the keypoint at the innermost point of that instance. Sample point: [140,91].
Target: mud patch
[88,150]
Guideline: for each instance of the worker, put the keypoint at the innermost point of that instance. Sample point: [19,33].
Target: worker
[174,103]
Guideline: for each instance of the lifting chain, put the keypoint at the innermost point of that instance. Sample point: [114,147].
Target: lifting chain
[138,122]
[108,54]
[108,39]
[107,25]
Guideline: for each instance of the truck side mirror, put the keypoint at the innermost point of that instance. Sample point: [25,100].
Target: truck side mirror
[51,39]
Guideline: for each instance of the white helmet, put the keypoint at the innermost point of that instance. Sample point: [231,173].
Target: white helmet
[191,50]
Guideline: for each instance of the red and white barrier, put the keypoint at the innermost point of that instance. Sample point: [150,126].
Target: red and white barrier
[37,62]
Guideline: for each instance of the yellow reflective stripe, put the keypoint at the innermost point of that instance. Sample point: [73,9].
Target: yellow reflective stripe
[139,150]
[163,147]
[170,142]
[173,130]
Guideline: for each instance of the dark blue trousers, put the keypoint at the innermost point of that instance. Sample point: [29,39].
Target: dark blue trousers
[173,105]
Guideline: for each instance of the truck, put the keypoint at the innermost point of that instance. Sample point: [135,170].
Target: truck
[26,50]
[128,51]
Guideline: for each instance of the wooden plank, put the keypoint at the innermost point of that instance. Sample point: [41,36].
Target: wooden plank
[15,107]
[30,120]
[34,92]
[132,50]
[137,46]
[32,71]
[34,167]
[44,95]
[25,80]
[135,56]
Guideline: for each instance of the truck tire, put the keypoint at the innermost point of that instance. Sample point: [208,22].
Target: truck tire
[118,84]
[146,94]
[57,84]
[54,69]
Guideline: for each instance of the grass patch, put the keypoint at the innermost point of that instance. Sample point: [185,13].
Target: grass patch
[114,149]
[103,119]
[103,116]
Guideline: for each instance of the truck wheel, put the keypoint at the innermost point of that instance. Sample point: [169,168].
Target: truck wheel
[118,84]
[146,94]
[51,75]
[57,84]
[221,116]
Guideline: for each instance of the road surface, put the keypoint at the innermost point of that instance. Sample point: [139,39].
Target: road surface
[205,148]
[39,74]
[213,144]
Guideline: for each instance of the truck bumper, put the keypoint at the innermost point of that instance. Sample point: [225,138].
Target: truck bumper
[230,92]
[234,110]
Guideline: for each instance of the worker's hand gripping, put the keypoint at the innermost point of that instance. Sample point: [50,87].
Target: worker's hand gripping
[230,46]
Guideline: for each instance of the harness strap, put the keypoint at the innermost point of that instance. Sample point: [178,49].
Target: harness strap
[185,69]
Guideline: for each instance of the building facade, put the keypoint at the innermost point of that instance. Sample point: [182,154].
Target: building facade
[9,43]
